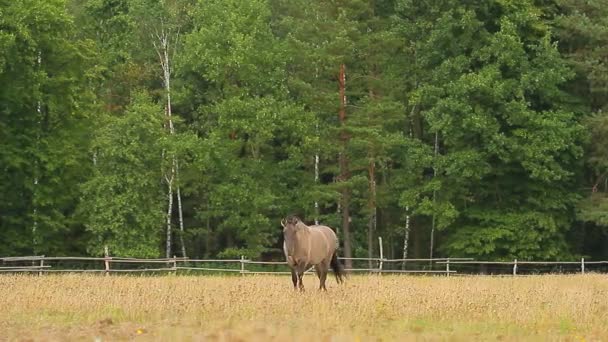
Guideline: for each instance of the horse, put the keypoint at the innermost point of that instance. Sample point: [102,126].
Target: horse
[306,246]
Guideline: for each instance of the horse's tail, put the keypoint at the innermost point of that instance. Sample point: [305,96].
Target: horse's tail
[338,268]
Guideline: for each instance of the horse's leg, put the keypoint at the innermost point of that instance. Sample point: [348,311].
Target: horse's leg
[300,269]
[294,279]
[319,271]
[322,272]
[327,266]
[300,275]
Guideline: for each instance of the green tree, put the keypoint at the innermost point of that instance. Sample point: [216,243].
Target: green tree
[334,53]
[123,198]
[160,24]
[581,28]
[506,142]
[235,67]
[45,105]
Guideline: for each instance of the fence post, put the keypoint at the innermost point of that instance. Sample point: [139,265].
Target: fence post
[41,265]
[515,267]
[582,265]
[447,267]
[381,254]
[175,264]
[106,260]
[242,264]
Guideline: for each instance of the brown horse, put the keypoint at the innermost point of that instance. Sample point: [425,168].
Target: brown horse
[307,246]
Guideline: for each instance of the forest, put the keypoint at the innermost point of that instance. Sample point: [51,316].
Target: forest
[191,128]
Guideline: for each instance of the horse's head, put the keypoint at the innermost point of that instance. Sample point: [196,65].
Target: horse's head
[291,226]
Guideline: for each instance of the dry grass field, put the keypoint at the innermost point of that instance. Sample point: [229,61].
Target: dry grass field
[261,308]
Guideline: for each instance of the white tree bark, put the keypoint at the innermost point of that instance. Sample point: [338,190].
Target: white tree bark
[316,162]
[36,171]
[316,181]
[406,235]
[180,212]
[161,39]
[432,246]
[373,215]
[169,181]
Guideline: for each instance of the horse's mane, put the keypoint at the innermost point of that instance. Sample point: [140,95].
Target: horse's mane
[301,224]
[296,221]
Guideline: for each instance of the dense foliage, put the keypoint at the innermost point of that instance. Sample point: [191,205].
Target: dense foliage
[164,127]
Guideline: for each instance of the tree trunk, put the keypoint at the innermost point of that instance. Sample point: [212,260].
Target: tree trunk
[414,130]
[181,217]
[371,226]
[209,234]
[346,228]
[372,218]
[36,170]
[163,50]
[344,171]
[317,162]
[418,241]
[316,181]
[406,235]
[432,244]
[169,210]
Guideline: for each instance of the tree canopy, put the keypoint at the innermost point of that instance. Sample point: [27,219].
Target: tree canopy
[160,127]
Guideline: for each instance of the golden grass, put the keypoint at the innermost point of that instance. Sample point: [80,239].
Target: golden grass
[260,308]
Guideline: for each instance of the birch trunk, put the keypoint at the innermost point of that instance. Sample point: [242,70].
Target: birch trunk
[316,181]
[344,171]
[372,218]
[371,225]
[406,235]
[169,210]
[316,177]
[434,197]
[180,212]
[317,163]
[36,166]
[162,44]
[209,233]
[415,130]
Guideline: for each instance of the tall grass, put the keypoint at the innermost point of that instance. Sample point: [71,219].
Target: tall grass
[251,308]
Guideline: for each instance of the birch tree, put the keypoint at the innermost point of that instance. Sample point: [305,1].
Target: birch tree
[161,23]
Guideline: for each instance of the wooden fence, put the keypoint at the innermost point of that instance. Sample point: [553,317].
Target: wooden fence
[107,265]
[243,266]
[515,266]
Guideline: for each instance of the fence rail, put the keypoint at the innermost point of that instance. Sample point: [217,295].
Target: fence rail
[111,264]
[442,266]
[446,266]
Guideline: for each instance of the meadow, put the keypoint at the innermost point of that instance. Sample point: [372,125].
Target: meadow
[265,308]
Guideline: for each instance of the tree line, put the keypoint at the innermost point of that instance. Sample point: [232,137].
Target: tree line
[191,128]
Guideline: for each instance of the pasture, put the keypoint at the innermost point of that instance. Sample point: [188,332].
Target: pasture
[260,308]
